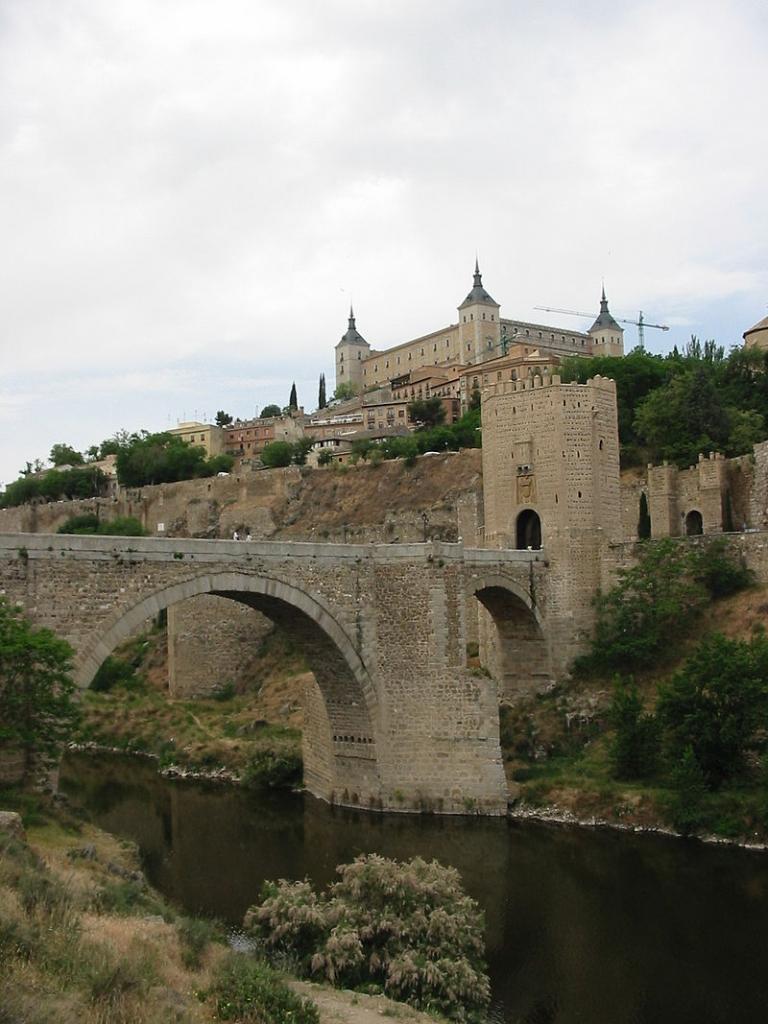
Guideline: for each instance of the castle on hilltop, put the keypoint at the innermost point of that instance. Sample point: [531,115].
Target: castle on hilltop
[479,335]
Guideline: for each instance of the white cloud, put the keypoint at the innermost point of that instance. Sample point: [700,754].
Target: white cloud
[190,193]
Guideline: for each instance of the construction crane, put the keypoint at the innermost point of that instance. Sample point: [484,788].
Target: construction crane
[640,323]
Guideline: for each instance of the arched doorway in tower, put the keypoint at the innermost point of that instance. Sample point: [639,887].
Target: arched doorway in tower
[512,645]
[528,531]
[694,524]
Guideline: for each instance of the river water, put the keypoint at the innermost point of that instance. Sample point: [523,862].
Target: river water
[598,927]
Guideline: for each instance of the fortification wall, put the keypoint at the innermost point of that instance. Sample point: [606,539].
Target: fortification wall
[365,504]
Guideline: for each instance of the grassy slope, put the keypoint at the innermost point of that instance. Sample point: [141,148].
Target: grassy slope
[84,940]
[200,734]
[556,747]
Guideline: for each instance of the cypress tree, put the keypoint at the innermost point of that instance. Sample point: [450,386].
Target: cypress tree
[321,400]
[293,402]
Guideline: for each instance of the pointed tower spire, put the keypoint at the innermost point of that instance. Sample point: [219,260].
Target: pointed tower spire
[605,320]
[351,318]
[478,293]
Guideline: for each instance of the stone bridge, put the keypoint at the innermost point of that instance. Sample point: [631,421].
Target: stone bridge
[396,719]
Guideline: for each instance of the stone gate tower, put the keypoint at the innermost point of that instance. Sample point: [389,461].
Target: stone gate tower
[551,481]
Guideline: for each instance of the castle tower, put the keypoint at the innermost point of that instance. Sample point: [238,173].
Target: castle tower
[350,353]
[479,327]
[551,481]
[607,337]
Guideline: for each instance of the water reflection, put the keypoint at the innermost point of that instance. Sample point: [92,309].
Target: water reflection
[600,928]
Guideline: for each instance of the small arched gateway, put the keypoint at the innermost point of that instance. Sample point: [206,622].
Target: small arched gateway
[528,531]
[694,524]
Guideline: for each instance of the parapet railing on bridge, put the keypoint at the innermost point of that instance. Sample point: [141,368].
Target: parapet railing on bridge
[87,546]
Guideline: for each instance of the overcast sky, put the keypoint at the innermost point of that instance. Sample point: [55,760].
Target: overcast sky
[191,192]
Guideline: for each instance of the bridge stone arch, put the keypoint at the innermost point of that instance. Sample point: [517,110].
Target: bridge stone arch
[341,712]
[514,644]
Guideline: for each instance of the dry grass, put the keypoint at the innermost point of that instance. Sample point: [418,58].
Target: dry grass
[266,713]
[64,960]
[328,500]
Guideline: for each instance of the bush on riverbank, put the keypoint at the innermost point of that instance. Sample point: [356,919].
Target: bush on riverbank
[407,929]
[274,768]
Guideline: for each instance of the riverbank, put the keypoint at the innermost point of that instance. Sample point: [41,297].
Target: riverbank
[84,939]
[250,736]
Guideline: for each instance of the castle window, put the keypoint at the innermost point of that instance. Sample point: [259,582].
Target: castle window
[483,316]
[471,316]
[464,319]
[359,355]
[491,316]
[601,444]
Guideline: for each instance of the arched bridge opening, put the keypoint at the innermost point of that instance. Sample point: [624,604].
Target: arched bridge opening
[340,711]
[513,646]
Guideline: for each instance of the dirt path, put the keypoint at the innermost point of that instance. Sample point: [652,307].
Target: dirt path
[340,1006]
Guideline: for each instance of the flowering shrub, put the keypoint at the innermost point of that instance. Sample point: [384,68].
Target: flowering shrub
[407,929]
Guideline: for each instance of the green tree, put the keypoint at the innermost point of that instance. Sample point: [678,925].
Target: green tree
[89,523]
[689,790]
[426,412]
[715,704]
[650,607]
[217,464]
[325,457]
[277,453]
[158,459]
[269,411]
[37,710]
[293,402]
[223,419]
[345,391]
[301,450]
[635,745]
[63,455]
[80,482]
[321,400]
[683,418]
